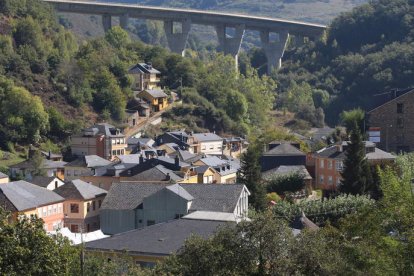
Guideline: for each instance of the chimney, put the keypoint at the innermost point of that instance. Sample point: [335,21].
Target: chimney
[141,159]
[176,161]
[50,155]
[168,177]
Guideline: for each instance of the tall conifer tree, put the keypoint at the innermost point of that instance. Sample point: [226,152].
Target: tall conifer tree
[356,176]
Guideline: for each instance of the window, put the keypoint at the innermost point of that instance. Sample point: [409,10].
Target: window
[44,211]
[56,184]
[74,208]
[400,123]
[99,203]
[93,205]
[150,222]
[74,228]
[211,147]
[114,152]
[330,180]
[88,207]
[330,164]
[321,164]
[321,178]
[339,166]
[400,108]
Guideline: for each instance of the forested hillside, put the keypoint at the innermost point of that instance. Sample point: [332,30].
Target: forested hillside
[366,52]
[51,86]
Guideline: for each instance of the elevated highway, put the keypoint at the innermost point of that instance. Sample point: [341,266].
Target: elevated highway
[230,27]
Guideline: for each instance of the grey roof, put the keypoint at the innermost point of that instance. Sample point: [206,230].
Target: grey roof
[103,129]
[180,191]
[331,152]
[207,197]
[379,154]
[89,161]
[285,149]
[172,161]
[51,154]
[3,175]
[217,164]
[157,173]
[129,158]
[46,164]
[207,137]
[287,170]
[201,169]
[156,93]
[78,189]
[143,141]
[186,156]
[213,161]
[159,239]
[24,195]
[214,216]
[321,133]
[143,68]
[214,197]
[42,181]
[127,196]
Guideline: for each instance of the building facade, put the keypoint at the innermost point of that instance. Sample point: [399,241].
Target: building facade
[391,125]
[103,140]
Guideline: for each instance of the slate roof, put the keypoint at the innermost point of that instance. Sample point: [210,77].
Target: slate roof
[213,216]
[127,196]
[129,158]
[78,189]
[143,68]
[25,196]
[3,175]
[89,161]
[42,181]
[284,149]
[201,169]
[214,197]
[207,137]
[180,191]
[143,141]
[46,164]
[286,170]
[379,154]
[331,152]
[207,197]
[157,173]
[217,164]
[104,129]
[159,239]
[156,93]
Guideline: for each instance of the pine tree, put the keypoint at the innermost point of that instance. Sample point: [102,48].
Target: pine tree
[250,175]
[356,176]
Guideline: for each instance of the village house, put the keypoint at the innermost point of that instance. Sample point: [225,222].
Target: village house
[48,182]
[27,168]
[329,163]
[135,145]
[24,198]
[82,205]
[103,140]
[225,170]
[84,166]
[4,178]
[155,98]
[282,153]
[131,118]
[144,76]
[130,205]
[208,143]
[391,123]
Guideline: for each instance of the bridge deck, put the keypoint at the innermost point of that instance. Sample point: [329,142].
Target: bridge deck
[196,16]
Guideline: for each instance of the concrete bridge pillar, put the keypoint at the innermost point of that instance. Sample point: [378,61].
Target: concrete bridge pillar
[230,45]
[123,21]
[177,40]
[106,22]
[274,50]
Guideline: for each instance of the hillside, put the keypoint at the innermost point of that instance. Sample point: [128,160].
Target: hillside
[51,85]
[366,53]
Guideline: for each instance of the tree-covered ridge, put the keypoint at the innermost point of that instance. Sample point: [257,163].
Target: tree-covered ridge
[89,81]
[366,51]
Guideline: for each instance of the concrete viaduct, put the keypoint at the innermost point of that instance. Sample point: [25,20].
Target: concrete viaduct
[224,23]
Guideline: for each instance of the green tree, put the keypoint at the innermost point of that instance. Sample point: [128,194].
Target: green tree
[352,119]
[286,183]
[250,175]
[117,37]
[356,175]
[27,249]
